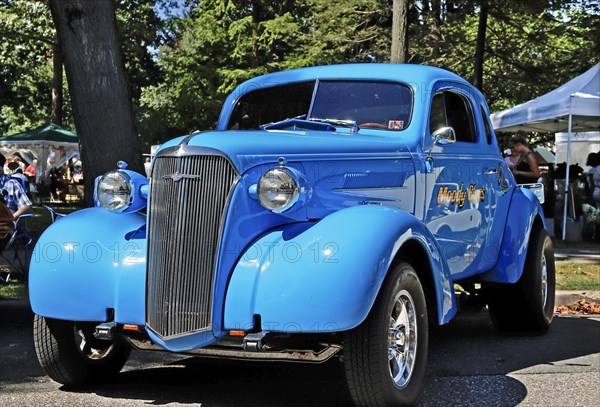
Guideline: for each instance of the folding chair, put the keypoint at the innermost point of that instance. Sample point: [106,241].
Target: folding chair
[54,216]
[14,248]
[15,253]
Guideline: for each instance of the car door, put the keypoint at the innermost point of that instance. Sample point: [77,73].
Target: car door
[498,190]
[458,210]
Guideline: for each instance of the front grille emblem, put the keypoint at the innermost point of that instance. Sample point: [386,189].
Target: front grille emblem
[177,176]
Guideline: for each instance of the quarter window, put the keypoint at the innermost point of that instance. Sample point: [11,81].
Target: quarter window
[486,126]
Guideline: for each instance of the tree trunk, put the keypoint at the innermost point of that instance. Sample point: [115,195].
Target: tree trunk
[480,47]
[436,29]
[57,81]
[89,42]
[399,28]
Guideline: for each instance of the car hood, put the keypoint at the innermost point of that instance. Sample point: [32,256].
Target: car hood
[249,148]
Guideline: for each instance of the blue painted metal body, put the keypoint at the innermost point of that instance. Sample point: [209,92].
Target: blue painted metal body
[319,277]
[319,267]
[89,262]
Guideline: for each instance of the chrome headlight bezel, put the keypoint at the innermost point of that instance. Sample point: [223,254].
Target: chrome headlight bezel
[279,189]
[133,191]
[106,195]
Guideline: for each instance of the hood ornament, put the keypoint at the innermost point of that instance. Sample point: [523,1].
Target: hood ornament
[177,176]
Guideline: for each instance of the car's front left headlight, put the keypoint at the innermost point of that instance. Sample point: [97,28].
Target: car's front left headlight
[114,190]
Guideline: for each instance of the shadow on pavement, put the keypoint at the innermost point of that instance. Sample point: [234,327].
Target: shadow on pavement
[209,383]
[469,359]
[469,364]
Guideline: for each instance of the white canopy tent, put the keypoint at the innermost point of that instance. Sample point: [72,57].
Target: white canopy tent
[572,107]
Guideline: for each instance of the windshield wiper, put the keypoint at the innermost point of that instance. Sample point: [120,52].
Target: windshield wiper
[263,126]
[337,122]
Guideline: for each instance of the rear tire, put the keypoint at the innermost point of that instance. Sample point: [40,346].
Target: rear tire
[528,305]
[385,356]
[70,354]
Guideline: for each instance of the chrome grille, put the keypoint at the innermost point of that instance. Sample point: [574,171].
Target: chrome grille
[187,201]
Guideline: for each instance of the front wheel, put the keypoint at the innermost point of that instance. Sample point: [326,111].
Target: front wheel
[385,356]
[71,355]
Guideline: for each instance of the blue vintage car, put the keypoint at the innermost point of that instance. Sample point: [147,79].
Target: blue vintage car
[330,214]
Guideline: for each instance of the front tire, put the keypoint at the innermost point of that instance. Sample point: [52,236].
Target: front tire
[528,305]
[385,356]
[70,354]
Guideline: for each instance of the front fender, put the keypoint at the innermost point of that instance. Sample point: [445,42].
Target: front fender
[524,209]
[89,262]
[325,276]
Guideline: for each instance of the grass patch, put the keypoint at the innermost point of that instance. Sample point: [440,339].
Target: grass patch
[13,290]
[577,276]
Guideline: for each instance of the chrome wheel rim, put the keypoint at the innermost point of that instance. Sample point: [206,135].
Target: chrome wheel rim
[544,284]
[402,339]
[88,346]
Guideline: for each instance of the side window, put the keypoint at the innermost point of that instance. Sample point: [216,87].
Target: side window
[451,109]
[459,117]
[486,125]
[437,119]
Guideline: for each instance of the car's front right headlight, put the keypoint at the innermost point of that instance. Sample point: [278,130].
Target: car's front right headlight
[114,190]
[121,190]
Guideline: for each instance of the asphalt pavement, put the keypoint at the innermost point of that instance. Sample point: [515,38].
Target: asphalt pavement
[470,364]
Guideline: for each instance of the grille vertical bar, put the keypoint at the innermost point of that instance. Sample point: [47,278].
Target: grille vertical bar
[187,201]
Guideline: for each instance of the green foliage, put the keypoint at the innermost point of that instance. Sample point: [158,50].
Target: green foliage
[222,43]
[26,52]
[26,70]
[184,56]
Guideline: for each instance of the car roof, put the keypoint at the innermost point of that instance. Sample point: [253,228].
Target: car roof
[412,74]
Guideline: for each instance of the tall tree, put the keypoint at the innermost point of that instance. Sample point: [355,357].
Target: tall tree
[399,30]
[88,36]
[480,47]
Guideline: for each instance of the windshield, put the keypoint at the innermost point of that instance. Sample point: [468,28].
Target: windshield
[376,105]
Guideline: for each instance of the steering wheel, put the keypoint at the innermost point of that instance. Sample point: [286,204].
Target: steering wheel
[375,125]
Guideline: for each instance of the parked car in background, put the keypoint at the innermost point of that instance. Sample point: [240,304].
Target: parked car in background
[330,213]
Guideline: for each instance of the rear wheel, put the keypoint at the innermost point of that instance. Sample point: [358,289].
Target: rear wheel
[71,355]
[527,305]
[385,356]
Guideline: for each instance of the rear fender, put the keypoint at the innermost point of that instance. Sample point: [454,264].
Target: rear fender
[524,209]
[325,276]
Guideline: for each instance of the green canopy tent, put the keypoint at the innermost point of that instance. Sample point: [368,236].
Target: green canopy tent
[51,144]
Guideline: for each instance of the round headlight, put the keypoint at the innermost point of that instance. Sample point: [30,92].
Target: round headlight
[278,190]
[114,191]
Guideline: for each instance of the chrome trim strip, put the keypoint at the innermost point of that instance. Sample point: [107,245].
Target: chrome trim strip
[215,351]
[187,150]
[368,189]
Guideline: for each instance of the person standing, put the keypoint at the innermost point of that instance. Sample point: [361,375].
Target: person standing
[511,157]
[147,165]
[595,172]
[526,169]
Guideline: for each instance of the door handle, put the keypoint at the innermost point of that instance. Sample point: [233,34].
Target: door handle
[490,171]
